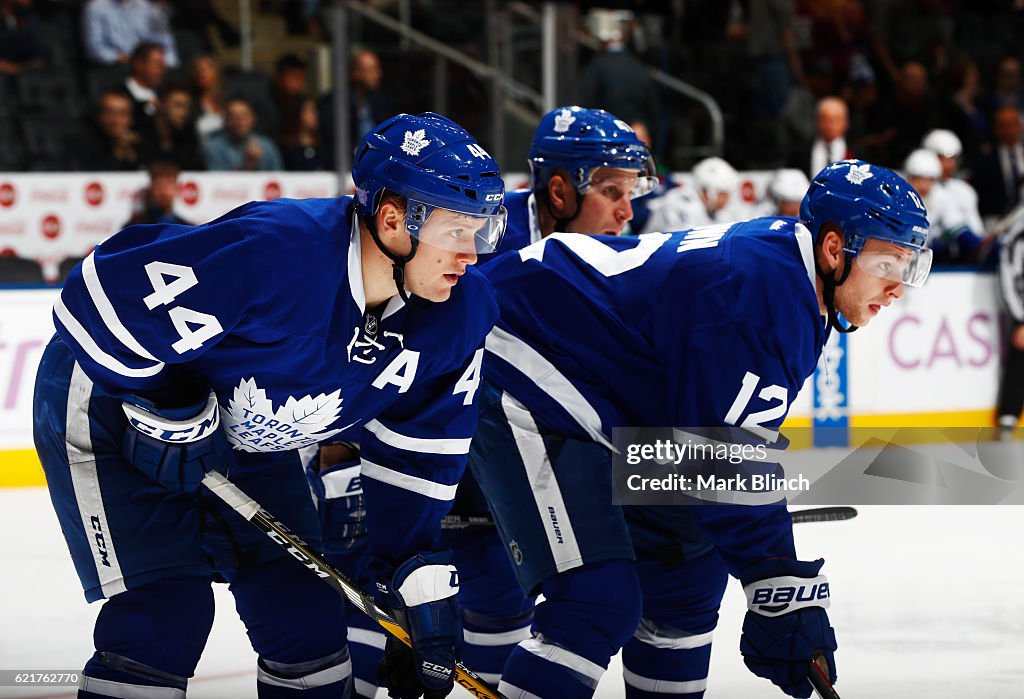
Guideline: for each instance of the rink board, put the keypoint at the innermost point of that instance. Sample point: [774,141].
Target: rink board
[932,360]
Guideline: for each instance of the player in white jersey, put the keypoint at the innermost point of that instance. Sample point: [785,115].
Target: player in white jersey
[710,200]
[946,144]
[951,236]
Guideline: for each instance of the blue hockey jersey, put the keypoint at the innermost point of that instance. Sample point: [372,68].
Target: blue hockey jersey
[267,304]
[713,326]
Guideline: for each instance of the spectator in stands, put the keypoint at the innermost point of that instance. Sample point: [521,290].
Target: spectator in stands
[114,145]
[196,16]
[111,29]
[158,198]
[289,86]
[148,68]
[367,102]
[300,137]
[238,146]
[208,85]
[963,108]
[998,175]
[832,119]
[1006,89]
[776,66]
[898,123]
[172,136]
[615,79]
[21,45]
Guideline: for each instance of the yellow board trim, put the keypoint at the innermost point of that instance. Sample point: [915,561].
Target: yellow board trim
[20,469]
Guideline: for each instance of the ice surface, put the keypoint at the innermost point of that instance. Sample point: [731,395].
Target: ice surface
[928,601]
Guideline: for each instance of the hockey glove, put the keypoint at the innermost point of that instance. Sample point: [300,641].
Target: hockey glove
[175,446]
[339,496]
[786,625]
[422,592]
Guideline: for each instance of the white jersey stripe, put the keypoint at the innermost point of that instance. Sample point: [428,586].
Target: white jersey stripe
[648,635]
[365,637]
[420,486]
[331,675]
[106,309]
[88,344]
[503,638]
[648,684]
[547,496]
[86,484]
[418,444]
[591,672]
[122,690]
[510,691]
[543,373]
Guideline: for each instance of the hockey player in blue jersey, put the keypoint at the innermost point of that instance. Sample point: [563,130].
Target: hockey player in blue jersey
[586,166]
[717,326]
[234,344]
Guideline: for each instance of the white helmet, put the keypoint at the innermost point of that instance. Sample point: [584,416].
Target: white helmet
[923,163]
[943,142]
[715,175]
[789,185]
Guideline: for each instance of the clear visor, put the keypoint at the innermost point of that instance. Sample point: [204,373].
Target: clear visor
[897,263]
[454,230]
[615,184]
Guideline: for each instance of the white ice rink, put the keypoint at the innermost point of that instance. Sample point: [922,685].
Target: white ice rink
[928,601]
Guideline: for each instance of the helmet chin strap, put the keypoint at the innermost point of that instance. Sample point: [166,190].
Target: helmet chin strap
[398,262]
[829,284]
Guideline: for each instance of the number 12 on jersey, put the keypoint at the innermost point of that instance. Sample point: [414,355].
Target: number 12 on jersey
[755,422]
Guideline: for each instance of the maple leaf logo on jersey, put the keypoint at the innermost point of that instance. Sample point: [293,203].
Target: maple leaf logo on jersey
[252,424]
[859,173]
[563,120]
[415,141]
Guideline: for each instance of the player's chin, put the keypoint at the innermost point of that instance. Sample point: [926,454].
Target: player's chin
[437,293]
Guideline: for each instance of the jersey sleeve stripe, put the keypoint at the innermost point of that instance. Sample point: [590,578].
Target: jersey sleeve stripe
[417,444]
[82,337]
[420,486]
[106,309]
[547,378]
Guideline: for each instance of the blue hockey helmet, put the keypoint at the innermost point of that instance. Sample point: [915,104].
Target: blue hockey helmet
[435,164]
[867,201]
[581,140]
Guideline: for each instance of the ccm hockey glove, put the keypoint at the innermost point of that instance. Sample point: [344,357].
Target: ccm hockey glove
[175,446]
[786,625]
[422,593]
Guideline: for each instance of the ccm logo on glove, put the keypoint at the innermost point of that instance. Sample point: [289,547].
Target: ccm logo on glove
[781,595]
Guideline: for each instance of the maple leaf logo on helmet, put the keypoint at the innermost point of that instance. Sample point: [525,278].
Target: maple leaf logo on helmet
[859,173]
[563,120]
[414,142]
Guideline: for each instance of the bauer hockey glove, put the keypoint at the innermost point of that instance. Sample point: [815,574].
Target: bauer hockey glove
[339,496]
[175,446]
[786,625]
[422,593]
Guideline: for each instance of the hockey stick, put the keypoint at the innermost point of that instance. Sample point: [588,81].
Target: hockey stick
[283,537]
[819,679]
[814,514]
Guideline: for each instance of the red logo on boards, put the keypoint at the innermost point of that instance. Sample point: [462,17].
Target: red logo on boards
[94,193]
[7,195]
[272,190]
[190,193]
[747,192]
[51,226]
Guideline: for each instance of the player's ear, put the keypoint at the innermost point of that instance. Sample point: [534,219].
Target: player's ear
[558,194]
[831,248]
[390,218]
